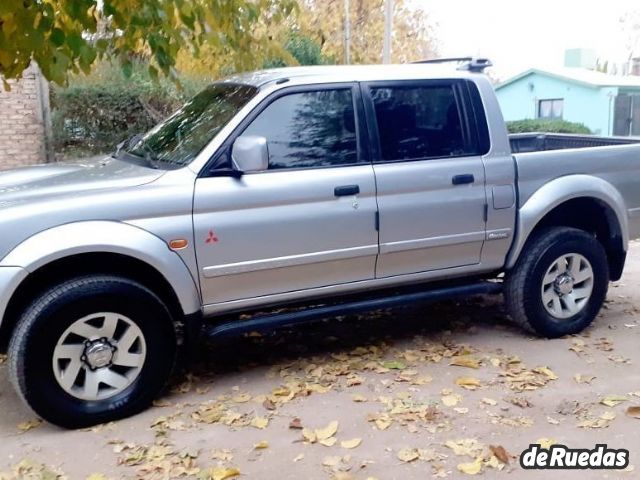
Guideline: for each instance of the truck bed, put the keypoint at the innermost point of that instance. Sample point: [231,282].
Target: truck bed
[538,142]
[542,158]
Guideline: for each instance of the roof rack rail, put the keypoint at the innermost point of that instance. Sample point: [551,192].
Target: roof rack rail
[471,64]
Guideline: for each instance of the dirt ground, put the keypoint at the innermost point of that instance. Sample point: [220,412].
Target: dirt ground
[421,392]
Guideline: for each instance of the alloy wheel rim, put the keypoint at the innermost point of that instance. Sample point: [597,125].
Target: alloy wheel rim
[567,286]
[99,356]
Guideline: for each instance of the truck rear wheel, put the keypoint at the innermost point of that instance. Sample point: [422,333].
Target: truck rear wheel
[92,350]
[559,283]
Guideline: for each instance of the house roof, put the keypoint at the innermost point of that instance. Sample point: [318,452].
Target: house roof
[590,78]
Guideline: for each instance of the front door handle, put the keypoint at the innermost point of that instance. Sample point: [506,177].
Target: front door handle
[463,179]
[346,190]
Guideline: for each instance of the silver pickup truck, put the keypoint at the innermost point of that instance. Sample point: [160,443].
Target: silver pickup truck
[291,195]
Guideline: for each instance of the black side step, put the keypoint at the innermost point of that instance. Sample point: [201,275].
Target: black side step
[271,321]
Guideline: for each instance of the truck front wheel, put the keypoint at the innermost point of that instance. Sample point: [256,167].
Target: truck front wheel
[92,350]
[559,283]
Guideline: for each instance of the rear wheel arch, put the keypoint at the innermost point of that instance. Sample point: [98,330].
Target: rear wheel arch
[596,217]
[598,211]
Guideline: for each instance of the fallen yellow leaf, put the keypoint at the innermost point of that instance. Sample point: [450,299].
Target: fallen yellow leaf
[408,454]
[343,476]
[309,435]
[329,431]
[580,378]
[383,423]
[470,383]
[472,468]
[29,425]
[546,443]
[451,400]
[260,422]
[261,445]
[328,442]
[465,361]
[218,473]
[465,446]
[394,365]
[546,371]
[242,398]
[613,400]
[351,443]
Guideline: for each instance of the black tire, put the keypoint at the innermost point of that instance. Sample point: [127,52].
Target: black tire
[523,294]
[44,322]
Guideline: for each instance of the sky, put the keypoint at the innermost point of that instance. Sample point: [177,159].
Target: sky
[517,35]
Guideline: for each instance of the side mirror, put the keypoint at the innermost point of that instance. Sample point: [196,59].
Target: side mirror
[250,153]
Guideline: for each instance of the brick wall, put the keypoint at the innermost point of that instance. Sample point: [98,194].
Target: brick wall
[23,121]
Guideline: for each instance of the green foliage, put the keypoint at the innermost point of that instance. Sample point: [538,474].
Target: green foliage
[95,113]
[303,49]
[65,36]
[549,126]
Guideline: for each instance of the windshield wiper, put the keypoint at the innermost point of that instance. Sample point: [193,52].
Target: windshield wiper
[150,155]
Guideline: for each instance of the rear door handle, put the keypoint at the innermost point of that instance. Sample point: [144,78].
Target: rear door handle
[463,179]
[346,190]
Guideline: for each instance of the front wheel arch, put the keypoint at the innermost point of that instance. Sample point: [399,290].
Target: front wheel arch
[95,263]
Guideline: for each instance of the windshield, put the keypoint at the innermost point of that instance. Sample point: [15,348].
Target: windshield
[176,141]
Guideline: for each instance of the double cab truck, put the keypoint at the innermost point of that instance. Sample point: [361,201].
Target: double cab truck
[282,196]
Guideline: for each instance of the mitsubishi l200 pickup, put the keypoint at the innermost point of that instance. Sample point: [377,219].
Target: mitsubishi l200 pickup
[290,195]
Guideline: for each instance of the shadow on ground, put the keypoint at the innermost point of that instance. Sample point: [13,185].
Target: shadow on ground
[227,356]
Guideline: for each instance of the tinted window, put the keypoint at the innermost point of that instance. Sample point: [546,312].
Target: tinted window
[418,122]
[309,129]
[178,139]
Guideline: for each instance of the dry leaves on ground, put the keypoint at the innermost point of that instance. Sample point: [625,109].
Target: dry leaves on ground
[29,425]
[158,460]
[520,378]
[218,473]
[481,456]
[613,400]
[324,436]
[28,469]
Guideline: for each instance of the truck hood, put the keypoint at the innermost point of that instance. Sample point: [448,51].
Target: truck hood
[51,180]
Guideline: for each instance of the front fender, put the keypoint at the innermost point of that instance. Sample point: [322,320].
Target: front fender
[107,237]
[561,190]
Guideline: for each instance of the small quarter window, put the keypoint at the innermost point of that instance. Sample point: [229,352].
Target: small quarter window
[309,129]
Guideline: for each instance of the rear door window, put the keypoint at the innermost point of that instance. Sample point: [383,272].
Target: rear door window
[417,122]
